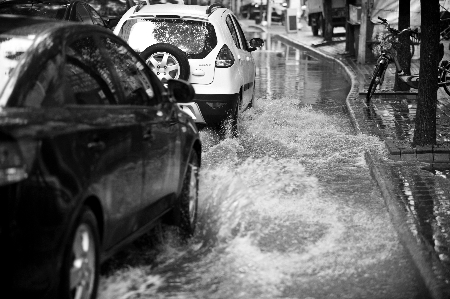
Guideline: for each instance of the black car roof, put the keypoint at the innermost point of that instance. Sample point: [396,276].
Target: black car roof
[23,25]
[9,2]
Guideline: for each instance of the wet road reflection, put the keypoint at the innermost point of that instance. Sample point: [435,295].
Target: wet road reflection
[284,70]
[424,189]
[287,210]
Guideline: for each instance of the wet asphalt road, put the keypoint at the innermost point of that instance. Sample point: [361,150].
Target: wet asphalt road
[287,210]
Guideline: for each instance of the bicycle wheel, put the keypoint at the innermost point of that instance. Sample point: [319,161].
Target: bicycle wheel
[375,81]
[445,78]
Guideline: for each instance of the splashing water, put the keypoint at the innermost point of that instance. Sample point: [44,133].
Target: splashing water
[283,211]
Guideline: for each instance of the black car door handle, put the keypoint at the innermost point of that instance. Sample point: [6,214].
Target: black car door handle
[96,145]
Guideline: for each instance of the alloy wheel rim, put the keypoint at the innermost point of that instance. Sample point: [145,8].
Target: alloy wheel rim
[82,271]
[164,65]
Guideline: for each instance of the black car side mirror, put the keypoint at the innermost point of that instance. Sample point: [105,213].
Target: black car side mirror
[182,91]
[255,43]
[112,21]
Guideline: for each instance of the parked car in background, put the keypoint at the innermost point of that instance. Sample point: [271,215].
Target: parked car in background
[112,10]
[258,11]
[94,152]
[204,45]
[78,11]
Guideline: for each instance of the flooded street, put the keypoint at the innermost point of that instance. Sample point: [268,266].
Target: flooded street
[287,210]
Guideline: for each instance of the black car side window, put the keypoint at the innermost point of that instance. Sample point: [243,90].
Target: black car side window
[233,31]
[83,14]
[136,84]
[85,55]
[95,16]
[85,86]
[47,90]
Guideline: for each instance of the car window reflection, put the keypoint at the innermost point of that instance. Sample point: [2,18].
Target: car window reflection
[11,51]
[47,89]
[86,86]
[136,85]
[86,51]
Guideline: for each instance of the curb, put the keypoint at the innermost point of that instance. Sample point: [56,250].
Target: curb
[423,255]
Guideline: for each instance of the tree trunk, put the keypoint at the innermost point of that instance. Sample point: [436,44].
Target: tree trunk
[349,30]
[425,123]
[404,52]
[328,18]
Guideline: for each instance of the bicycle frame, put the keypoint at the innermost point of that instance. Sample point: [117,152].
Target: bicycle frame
[389,55]
[385,58]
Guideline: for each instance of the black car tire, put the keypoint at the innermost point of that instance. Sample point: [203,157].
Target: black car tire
[82,256]
[176,58]
[184,213]
[250,104]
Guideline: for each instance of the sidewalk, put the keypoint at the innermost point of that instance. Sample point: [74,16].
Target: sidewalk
[415,182]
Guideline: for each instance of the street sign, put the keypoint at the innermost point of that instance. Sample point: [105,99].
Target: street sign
[291,20]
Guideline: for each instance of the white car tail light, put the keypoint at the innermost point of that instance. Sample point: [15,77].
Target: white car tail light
[12,167]
[225,57]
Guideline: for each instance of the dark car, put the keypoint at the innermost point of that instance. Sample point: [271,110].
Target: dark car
[77,11]
[255,11]
[94,151]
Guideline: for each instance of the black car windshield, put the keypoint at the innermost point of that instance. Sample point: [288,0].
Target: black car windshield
[11,50]
[44,10]
[195,38]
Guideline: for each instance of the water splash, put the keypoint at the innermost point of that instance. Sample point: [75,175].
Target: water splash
[273,214]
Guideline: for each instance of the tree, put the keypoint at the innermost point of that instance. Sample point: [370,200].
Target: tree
[328,21]
[404,52]
[425,123]
[349,30]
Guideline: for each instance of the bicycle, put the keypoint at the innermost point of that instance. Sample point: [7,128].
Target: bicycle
[389,54]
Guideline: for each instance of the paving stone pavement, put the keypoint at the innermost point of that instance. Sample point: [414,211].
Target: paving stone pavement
[415,182]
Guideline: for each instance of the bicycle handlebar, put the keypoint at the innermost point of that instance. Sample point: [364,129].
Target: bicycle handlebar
[395,31]
[383,20]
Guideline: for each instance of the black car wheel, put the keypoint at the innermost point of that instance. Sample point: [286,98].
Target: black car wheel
[184,214]
[250,105]
[167,62]
[80,273]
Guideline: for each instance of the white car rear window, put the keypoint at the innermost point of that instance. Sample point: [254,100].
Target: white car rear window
[195,38]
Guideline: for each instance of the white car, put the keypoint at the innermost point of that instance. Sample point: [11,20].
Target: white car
[204,45]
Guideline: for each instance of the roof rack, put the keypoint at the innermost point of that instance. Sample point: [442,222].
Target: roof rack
[213,7]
